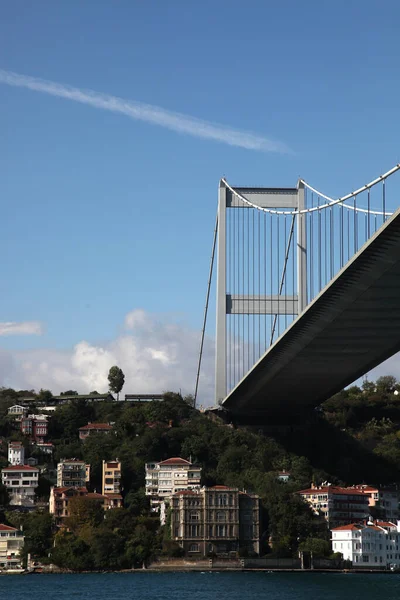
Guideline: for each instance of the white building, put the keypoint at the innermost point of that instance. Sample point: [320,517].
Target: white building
[371,545]
[17,410]
[168,477]
[16,453]
[284,476]
[11,542]
[21,482]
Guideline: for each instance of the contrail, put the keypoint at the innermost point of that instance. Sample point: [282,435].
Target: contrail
[148,113]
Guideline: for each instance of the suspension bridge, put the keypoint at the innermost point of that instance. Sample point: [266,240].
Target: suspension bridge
[308,294]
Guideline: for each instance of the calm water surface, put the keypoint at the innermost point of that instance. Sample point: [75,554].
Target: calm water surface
[201,586]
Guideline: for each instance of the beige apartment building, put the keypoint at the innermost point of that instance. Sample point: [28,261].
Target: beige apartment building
[72,472]
[219,519]
[60,501]
[337,505]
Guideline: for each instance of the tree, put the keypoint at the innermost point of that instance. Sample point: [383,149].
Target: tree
[84,511]
[386,384]
[189,399]
[44,396]
[116,380]
[69,393]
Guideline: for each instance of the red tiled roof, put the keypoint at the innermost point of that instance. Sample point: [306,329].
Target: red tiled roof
[20,468]
[114,496]
[351,527]
[95,496]
[95,426]
[220,487]
[385,524]
[6,528]
[60,490]
[15,444]
[332,489]
[175,461]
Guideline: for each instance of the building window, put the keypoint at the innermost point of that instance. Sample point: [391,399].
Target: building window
[221,516]
[194,548]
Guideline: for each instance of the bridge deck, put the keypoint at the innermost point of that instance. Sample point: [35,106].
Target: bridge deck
[352,326]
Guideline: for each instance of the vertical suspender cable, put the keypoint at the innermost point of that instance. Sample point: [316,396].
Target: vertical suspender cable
[319,251]
[238,281]
[253,316]
[285,278]
[248,288]
[259,284]
[369,208]
[384,200]
[265,282]
[243,212]
[355,225]
[271,275]
[233,211]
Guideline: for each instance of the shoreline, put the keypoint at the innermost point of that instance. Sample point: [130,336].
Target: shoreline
[193,569]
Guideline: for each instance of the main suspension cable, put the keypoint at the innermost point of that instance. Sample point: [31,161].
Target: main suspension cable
[206,309]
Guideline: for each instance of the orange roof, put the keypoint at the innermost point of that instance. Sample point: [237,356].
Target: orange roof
[220,487]
[20,468]
[175,461]
[385,524]
[94,496]
[95,426]
[114,496]
[351,527]
[72,487]
[332,489]
[6,528]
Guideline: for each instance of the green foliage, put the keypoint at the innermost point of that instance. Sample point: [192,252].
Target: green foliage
[84,512]
[317,547]
[69,393]
[44,396]
[116,379]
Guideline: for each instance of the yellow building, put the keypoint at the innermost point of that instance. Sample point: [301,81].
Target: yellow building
[111,482]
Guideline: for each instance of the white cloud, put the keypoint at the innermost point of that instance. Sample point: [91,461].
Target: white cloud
[148,113]
[155,356]
[22,328]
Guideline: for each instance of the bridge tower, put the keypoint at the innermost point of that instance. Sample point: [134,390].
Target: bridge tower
[274,302]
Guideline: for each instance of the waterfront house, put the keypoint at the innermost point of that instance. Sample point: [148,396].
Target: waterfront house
[374,544]
[11,543]
[217,520]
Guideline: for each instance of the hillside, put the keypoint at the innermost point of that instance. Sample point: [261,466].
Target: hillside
[354,438]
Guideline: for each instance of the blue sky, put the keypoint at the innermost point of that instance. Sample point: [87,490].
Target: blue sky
[105,217]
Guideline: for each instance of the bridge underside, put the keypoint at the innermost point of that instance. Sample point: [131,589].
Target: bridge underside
[351,327]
